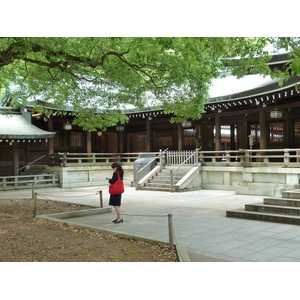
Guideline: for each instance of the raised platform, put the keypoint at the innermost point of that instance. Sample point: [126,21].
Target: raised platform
[273,209]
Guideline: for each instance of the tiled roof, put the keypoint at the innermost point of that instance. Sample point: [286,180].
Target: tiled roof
[15,126]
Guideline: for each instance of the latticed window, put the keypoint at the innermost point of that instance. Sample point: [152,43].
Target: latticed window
[276,132]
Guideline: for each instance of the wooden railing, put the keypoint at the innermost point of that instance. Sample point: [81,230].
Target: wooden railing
[247,157]
[75,159]
[26,181]
[241,157]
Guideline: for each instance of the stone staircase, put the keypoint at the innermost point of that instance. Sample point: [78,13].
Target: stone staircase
[161,181]
[285,209]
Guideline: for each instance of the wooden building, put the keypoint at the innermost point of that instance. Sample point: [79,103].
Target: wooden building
[266,117]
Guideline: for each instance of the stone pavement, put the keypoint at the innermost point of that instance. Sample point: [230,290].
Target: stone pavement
[199,221]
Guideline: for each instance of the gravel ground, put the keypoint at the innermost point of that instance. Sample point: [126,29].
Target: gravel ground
[27,239]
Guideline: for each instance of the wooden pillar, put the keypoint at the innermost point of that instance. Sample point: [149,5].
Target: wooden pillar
[180,137]
[50,141]
[16,166]
[242,136]
[149,140]
[263,129]
[232,137]
[121,141]
[88,142]
[199,137]
[287,137]
[218,132]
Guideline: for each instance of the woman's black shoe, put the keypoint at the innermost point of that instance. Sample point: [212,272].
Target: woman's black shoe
[115,220]
[118,221]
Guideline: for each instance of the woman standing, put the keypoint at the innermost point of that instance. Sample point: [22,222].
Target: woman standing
[115,199]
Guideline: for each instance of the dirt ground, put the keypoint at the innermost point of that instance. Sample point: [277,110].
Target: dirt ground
[27,239]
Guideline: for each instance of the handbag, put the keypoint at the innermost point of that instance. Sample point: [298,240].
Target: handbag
[117,187]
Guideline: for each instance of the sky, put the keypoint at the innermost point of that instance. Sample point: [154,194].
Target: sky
[145,18]
[231,85]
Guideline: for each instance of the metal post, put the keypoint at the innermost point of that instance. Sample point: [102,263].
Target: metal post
[34,204]
[101,199]
[171,232]
[172,182]
[160,157]
[32,191]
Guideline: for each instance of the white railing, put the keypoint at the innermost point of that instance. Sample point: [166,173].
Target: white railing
[191,159]
[179,157]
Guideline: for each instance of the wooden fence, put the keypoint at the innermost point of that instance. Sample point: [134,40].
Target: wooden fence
[246,157]
[26,181]
[241,157]
[75,159]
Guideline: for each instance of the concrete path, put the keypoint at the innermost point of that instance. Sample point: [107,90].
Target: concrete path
[199,220]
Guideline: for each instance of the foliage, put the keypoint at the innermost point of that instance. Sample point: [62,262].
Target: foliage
[107,74]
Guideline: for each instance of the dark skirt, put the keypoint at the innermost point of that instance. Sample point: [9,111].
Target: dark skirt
[115,200]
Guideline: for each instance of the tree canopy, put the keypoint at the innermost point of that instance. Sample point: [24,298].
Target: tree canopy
[109,74]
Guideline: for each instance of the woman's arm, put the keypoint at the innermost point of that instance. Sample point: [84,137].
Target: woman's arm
[113,179]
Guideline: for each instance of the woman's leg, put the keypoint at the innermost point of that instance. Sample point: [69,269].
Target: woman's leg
[118,211]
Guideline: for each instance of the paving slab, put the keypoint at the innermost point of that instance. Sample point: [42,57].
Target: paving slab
[199,221]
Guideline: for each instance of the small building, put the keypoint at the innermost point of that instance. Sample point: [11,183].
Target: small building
[20,141]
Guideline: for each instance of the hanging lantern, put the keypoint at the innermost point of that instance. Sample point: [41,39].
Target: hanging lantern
[67,126]
[187,124]
[275,114]
[120,128]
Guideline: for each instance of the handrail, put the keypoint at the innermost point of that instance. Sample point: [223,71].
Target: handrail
[152,160]
[183,163]
[32,162]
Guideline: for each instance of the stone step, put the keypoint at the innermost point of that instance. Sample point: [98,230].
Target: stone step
[166,177]
[251,215]
[295,194]
[282,201]
[163,179]
[259,190]
[168,174]
[273,209]
[266,184]
[154,185]
[161,189]
[157,181]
